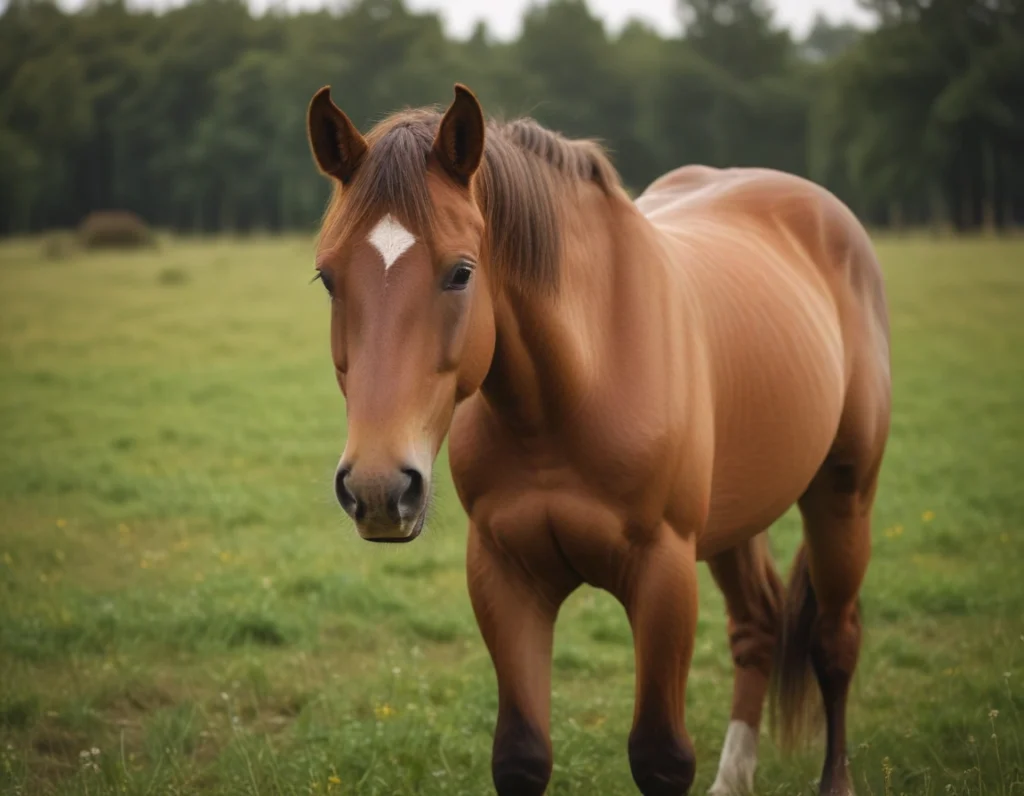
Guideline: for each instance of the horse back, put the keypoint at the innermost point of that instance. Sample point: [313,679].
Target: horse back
[784,212]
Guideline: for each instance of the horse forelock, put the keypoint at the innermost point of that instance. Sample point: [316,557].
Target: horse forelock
[527,174]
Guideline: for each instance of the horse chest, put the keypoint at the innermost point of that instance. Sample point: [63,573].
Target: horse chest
[621,463]
[586,498]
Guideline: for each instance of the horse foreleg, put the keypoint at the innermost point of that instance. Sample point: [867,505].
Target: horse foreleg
[660,597]
[516,614]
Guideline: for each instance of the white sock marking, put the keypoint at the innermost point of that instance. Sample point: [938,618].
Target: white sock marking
[391,239]
[739,759]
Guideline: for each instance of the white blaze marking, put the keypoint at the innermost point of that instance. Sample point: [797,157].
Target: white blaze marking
[739,759]
[391,239]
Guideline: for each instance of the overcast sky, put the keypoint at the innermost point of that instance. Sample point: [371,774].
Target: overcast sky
[502,16]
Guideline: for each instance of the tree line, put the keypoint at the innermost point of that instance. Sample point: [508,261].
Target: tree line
[195,118]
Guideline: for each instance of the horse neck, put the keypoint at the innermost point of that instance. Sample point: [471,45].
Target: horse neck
[552,347]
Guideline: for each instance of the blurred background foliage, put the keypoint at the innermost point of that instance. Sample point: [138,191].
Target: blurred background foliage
[194,118]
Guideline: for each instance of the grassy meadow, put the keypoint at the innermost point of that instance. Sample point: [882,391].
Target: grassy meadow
[183,610]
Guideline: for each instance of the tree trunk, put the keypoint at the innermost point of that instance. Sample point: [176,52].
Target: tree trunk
[988,200]
[966,202]
[226,222]
[1009,221]
[939,214]
[896,215]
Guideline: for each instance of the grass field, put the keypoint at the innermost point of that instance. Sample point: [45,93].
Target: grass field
[182,609]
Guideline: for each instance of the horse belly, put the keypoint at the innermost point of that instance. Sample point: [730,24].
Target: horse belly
[779,400]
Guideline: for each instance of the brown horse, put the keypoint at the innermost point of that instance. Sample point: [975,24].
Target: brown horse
[628,388]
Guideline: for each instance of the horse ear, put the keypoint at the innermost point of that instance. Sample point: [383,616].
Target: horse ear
[336,143]
[459,145]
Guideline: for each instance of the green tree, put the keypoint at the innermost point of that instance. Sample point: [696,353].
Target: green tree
[195,118]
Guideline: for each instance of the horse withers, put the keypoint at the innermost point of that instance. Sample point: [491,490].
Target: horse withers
[628,388]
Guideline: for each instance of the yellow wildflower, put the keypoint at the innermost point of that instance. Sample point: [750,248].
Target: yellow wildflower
[928,516]
[334,780]
[61,522]
[383,711]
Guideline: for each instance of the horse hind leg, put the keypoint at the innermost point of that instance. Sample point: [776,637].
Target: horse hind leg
[821,624]
[753,598]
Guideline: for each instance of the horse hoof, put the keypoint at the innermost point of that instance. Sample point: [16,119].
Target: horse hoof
[521,776]
[521,764]
[663,766]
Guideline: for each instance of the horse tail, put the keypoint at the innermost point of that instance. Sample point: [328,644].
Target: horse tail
[792,685]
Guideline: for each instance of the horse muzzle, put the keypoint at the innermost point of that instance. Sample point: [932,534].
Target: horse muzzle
[386,506]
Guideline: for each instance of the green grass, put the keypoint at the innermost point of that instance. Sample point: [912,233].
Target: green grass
[182,609]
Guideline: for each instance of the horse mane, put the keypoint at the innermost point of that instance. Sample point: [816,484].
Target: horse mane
[526,170]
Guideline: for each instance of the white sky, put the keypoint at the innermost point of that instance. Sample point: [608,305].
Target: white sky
[503,16]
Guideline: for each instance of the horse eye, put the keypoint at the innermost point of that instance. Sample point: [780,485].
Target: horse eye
[459,277]
[327,281]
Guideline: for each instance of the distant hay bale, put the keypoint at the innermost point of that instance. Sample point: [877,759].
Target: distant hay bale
[114,229]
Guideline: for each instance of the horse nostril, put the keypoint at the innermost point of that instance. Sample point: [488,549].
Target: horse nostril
[410,501]
[348,501]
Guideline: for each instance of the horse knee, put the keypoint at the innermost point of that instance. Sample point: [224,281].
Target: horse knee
[662,765]
[521,764]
